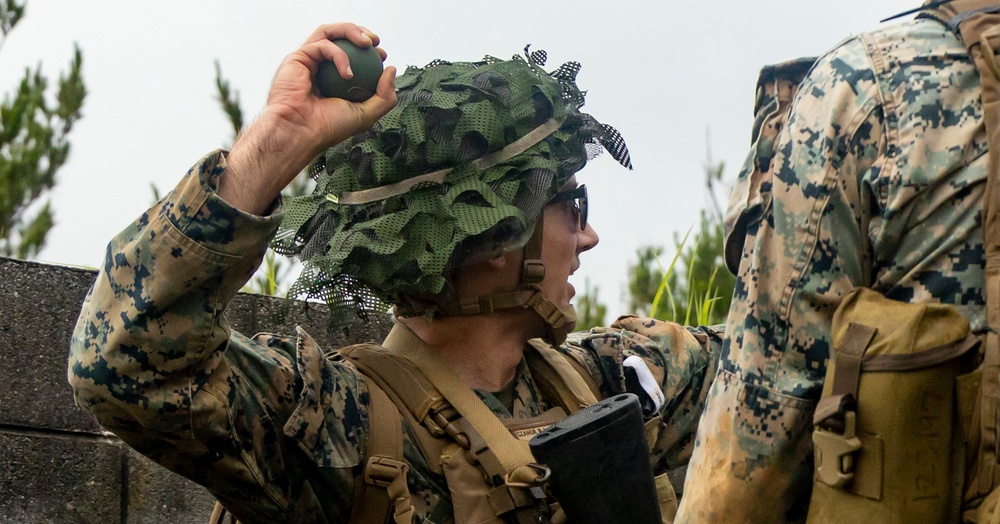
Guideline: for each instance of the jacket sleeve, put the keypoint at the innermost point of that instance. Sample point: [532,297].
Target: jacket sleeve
[805,248]
[154,359]
[683,361]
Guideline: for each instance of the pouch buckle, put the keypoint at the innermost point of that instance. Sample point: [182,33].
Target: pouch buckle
[835,452]
[381,471]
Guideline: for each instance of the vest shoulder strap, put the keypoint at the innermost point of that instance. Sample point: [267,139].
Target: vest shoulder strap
[561,379]
[412,394]
[382,487]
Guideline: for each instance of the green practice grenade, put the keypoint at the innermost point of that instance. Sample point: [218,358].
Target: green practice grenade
[366,64]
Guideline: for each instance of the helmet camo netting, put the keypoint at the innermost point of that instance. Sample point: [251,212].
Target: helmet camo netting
[401,249]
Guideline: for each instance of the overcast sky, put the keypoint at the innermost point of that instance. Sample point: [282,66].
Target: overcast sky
[667,74]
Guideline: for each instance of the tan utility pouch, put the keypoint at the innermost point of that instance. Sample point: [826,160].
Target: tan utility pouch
[888,442]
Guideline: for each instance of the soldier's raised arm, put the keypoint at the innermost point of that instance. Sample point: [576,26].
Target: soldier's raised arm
[153,357]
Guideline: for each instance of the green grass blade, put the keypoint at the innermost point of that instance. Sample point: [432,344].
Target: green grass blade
[664,284]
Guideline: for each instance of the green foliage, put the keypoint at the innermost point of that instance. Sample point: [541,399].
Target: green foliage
[665,296]
[701,290]
[275,273]
[230,101]
[696,288]
[644,278]
[590,311]
[33,146]
[10,13]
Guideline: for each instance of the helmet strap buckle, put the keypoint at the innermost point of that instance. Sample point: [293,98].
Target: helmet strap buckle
[533,270]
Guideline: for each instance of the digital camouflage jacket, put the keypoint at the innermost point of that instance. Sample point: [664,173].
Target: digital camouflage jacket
[877,180]
[267,424]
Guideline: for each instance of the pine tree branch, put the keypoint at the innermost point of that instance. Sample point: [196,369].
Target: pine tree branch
[230,101]
[34,145]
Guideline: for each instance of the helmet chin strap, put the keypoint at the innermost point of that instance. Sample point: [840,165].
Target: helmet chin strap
[559,321]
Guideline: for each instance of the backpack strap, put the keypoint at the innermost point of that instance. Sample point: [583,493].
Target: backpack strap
[219,513]
[411,393]
[977,23]
[383,482]
[560,378]
[983,51]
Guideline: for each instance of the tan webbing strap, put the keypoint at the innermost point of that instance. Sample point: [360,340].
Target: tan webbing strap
[984,55]
[978,25]
[438,177]
[219,513]
[532,268]
[382,485]
[847,359]
[486,304]
[529,297]
[512,453]
[411,391]
[558,379]
[499,451]
[392,370]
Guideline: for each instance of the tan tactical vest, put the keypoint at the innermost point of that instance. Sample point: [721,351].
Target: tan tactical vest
[451,422]
[485,461]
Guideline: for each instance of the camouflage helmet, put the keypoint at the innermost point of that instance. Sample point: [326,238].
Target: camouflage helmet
[457,172]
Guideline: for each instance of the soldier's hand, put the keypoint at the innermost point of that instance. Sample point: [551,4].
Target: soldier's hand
[297,124]
[328,120]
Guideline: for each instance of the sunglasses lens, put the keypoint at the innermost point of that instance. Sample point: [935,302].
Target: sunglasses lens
[578,197]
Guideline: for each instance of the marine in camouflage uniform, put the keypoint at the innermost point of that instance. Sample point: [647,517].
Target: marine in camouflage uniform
[269,425]
[876,180]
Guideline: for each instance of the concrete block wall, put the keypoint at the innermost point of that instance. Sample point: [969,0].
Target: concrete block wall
[56,463]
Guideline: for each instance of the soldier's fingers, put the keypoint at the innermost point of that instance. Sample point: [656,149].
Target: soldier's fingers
[387,85]
[362,38]
[352,32]
[326,32]
[371,35]
[325,50]
[384,100]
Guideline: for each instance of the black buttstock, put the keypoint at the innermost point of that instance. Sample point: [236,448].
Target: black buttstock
[600,464]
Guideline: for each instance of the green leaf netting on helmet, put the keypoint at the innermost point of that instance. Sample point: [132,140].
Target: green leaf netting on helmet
[401,249]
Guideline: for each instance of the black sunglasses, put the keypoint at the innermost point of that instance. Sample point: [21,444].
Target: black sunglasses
[579,196]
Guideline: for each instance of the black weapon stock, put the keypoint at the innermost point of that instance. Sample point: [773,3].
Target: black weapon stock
[600,467]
